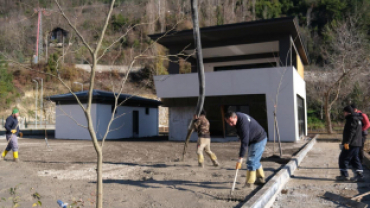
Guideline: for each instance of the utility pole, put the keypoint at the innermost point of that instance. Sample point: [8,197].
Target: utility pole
[39,34]
[37,88]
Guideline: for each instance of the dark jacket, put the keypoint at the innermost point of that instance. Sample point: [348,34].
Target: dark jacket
[352,132]
[201,125]
[11,123]
[249,132]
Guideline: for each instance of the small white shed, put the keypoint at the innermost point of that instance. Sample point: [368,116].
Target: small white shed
[137,117]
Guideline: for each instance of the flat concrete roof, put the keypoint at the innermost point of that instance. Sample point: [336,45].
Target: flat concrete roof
[100,96]
[235,34]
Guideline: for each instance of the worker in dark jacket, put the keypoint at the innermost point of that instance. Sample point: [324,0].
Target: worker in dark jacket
[12,130]
[201,125]
[253,138]
[352,142]
[365,126]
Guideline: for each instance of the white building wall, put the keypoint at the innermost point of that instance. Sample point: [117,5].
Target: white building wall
[67,117]
[122,127]
[238,82]
[179,120]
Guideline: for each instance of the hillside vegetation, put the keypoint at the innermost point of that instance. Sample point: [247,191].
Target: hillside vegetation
[18,26]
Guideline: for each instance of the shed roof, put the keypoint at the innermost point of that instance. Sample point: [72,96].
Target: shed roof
[233,34]
[100,96]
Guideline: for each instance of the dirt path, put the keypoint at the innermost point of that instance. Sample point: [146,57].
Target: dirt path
[136,174]
[315,176]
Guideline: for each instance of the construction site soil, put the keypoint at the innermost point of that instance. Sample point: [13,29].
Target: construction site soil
[135,173]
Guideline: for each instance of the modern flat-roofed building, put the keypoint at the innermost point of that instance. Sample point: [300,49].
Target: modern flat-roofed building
[137,117]
[244,65]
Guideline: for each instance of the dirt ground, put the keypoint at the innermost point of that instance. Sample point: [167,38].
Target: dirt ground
[316,176]
[136,174]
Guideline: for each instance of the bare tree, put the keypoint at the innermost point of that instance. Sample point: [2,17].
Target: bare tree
[96,51]
[346,54]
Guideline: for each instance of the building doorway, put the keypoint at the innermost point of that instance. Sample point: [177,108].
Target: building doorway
[301,116]
[135,123]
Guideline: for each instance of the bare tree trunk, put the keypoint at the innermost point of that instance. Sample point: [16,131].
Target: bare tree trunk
[99,181]
[308,15]
[278,135]
[201,79]
[254,9]
[327,115]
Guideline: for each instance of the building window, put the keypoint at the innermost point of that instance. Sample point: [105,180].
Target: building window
[147,111]
[245,66]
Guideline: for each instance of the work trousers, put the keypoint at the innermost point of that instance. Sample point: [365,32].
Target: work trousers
[13,145]
[255,152]
[361,152]
[204,144]
[348,157]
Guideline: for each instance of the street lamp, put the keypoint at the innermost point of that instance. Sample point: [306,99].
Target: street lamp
[82,85]
[42,92]
[37,88]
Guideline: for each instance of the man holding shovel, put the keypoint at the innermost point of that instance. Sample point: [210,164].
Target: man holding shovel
[254,138]
[12,130]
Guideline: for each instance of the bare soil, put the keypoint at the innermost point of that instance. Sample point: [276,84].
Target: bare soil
[136,174]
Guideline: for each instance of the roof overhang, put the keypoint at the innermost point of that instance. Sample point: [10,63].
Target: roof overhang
[100,96]
[236,34]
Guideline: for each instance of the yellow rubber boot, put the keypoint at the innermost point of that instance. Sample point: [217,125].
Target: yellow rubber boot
[252,176]
[3,154]
[260,176]
[15,156]
[200,160]
[250,179]
[214,159]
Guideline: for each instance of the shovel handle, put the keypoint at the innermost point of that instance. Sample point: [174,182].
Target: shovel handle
[236,176]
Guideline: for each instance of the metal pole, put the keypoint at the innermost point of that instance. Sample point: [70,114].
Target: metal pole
[41,94]
[37,87]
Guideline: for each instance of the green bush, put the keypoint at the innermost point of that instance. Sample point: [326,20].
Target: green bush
[315,123]
[118,21]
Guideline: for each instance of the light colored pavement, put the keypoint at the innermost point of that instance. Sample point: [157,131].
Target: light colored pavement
[315,176]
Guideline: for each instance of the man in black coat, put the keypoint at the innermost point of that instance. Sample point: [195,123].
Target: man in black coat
[253,138]
[352,142]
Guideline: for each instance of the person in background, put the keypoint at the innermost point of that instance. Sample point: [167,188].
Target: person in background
[12,130]
[365,126]
[201,125]
[352,141]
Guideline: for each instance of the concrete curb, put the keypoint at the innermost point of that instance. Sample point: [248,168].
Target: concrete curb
[265,197]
